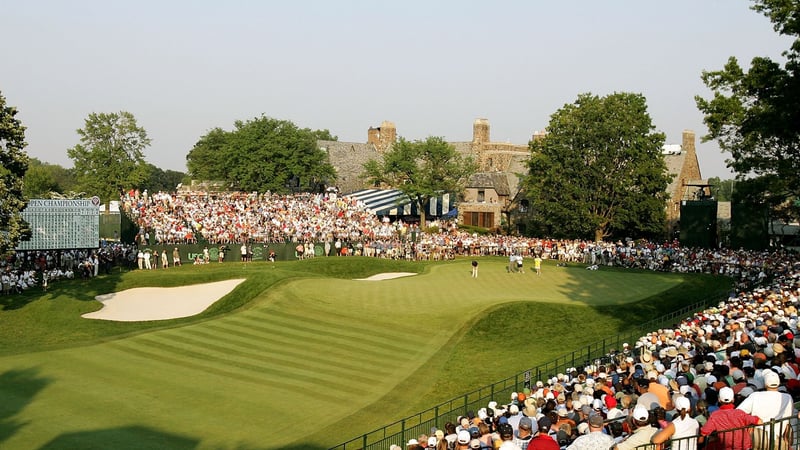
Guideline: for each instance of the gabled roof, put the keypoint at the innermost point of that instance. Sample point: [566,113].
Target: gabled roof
[499,181]
[674,164]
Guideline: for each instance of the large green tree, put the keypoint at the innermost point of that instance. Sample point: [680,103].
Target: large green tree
[39,182]
[599,171]
[13,165]
[722,190]
[422,170]
[110,159]
[262,154]
[162,180]
[755,114]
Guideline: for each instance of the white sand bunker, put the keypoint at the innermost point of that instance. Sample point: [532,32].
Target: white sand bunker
[152,303]
[387,276]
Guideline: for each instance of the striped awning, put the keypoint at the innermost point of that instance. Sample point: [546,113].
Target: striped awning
[393,202]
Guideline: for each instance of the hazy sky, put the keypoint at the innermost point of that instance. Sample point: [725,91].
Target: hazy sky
[431,67]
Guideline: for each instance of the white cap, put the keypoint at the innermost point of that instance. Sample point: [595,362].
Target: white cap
[771,379]
[726,395]
[640,413]
[682,403]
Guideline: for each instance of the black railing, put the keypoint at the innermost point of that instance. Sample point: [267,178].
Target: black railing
[421,423]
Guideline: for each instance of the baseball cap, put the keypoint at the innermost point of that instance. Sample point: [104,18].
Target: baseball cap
[505,429]
[432,441]
[525,423]
[682,403]
[464,437]
[544,424]
[641,413]
[726,395]
[475,444]
[771,379]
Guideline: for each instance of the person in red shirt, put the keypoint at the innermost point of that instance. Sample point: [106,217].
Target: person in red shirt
[543,440]
[727,418]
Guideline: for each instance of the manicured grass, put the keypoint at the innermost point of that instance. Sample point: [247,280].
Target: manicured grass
[300,355]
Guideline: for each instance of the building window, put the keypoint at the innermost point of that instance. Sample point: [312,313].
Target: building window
[481,195]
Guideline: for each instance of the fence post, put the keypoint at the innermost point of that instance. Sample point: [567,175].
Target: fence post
[364,444]
[436,415]
[402,429]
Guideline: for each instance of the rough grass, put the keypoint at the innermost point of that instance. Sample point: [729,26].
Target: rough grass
[297,341]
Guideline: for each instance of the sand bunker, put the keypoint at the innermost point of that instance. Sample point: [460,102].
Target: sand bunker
[153,303]
[387,276]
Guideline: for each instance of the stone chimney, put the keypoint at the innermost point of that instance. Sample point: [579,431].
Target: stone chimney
[480,131]
[382,137]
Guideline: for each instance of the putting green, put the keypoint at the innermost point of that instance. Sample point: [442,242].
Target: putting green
[302,356]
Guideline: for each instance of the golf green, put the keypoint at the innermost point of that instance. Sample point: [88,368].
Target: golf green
[307,363]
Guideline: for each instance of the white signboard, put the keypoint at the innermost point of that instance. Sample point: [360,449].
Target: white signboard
[62,224]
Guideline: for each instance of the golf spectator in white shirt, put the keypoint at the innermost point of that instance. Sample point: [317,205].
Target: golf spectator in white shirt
[768,405]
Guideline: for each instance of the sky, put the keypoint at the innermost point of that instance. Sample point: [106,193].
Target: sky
[431,67]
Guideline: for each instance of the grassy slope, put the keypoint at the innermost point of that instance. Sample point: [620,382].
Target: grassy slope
[345,348]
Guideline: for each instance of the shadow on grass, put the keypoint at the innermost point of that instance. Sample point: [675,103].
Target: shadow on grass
[17,390]
[124,438]
[693,289]
[76,289]
[143,438]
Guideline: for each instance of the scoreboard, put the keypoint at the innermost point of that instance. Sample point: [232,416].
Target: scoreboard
[58,224]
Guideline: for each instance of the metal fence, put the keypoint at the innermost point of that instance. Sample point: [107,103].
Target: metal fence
[421,423]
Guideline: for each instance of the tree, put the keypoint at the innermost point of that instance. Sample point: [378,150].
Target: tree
[162,180]
[722,190]
[422,170]
[109,158]
[599,171]
[754,115]
[262,154]
[207,159]
[39,181]
[13,165]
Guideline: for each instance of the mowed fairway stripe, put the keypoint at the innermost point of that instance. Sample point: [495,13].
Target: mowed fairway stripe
[303,338]
[269,356]
[335,335]
[327,358]
[248,365]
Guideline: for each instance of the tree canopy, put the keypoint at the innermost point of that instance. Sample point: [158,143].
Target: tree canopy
[162,180]
[262,154]
[599,171]
[722,190]
[754,114]
[13,165]
[109,159]
[421,169]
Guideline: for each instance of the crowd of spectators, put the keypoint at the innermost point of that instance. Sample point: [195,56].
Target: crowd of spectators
[26,269]
[240,217]
[730,366]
